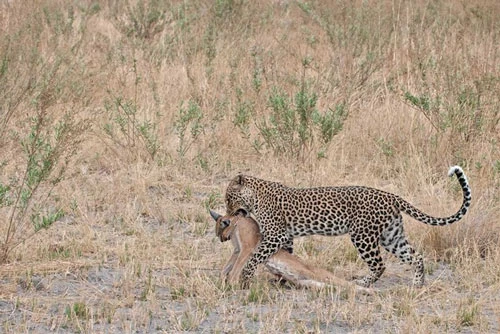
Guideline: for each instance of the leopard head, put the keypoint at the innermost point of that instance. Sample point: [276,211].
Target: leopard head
[239,196]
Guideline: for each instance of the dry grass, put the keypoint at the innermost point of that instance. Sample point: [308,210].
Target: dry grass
[166,102]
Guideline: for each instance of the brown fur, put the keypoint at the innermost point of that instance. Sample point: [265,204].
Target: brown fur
[245,235]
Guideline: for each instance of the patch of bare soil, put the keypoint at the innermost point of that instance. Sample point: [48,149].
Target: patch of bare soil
[114,297]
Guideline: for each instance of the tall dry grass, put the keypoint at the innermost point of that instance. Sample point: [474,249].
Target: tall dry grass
[164,102]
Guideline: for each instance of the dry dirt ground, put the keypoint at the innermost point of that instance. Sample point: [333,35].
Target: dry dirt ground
[136,282]
[47,311]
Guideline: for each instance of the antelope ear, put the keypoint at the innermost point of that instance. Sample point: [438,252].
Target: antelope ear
[241,212]
[215,215]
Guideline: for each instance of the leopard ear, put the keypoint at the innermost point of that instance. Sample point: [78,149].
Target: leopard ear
[238,181]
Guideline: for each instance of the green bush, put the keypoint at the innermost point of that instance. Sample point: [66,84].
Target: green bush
[189,118]
[295,126]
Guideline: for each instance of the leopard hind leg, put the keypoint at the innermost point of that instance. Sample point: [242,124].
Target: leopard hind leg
[369,251]
[394,241]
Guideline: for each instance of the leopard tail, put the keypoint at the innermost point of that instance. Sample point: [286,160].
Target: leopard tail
[429,220]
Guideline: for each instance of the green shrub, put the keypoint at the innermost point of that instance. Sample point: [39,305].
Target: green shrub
[295,126]
[189,118]
[46,149]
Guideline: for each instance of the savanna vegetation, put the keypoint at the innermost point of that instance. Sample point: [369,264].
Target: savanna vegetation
[122,122]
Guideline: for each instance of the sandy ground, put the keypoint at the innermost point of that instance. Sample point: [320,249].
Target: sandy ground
[116,298]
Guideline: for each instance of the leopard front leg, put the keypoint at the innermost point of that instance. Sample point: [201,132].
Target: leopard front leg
[268,246]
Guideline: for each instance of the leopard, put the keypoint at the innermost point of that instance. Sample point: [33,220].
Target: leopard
[244,234]
[371,217]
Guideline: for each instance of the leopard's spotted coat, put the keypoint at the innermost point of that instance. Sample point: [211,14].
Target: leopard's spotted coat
[370,216]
